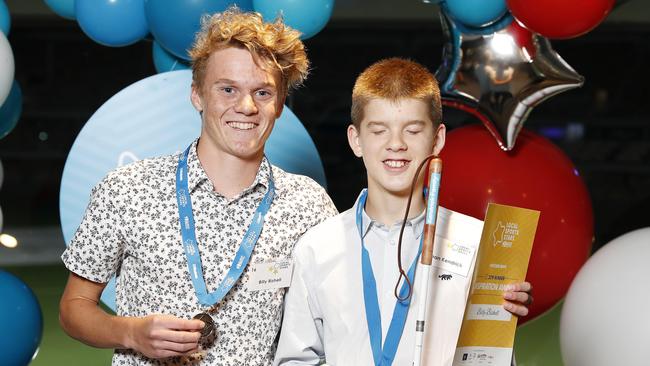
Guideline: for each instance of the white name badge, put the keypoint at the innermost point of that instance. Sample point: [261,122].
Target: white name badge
[270,275]
[452,256]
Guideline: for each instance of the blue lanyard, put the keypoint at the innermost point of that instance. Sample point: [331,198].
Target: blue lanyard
[382,355]
[188,234]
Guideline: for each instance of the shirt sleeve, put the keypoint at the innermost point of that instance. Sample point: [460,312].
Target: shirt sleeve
[301,336]
[96,249]
[321,204]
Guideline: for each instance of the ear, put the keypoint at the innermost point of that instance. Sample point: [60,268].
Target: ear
[195,97]
[439,140]
[353,140]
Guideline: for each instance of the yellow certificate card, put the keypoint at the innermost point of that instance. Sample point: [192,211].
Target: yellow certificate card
[488,330]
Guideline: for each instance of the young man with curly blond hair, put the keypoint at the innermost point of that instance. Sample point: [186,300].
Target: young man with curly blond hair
[186,234]
[341,308]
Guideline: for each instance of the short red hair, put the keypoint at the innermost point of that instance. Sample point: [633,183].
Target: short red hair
[395,79]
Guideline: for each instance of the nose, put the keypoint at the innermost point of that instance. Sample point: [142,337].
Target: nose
[396,142]
[246,105]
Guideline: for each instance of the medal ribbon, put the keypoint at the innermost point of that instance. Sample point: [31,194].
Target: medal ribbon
[382,355]
[188,234]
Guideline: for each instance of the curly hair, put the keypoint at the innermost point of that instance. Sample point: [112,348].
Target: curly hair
[274,46]
[394,79]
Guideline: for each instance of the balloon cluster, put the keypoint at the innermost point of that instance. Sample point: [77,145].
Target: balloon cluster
[10,94]
[498,63]
[174,23]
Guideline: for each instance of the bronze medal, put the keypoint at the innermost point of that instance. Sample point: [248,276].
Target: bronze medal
[209,329]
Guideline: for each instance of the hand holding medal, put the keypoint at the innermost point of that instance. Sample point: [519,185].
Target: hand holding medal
[209,329]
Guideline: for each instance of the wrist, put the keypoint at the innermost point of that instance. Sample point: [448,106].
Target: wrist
[124,329]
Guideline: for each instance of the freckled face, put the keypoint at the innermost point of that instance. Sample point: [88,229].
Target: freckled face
[239,102]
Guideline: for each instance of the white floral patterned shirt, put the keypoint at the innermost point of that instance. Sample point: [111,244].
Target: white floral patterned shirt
[131,229]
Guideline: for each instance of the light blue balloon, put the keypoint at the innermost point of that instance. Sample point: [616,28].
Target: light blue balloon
[64,8]
[10,110]
[5,19]
[114,23]
[475,13]
[309,17]
[175,23]
[21,319]
[154,117]
[165,61]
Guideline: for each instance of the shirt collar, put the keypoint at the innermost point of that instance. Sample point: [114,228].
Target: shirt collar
[416,224]
[197,177]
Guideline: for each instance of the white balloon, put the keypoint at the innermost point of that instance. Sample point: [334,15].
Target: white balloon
[604,320]
[6,68]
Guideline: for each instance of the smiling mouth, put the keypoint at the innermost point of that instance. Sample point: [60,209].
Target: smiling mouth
[242,125]
[396,163]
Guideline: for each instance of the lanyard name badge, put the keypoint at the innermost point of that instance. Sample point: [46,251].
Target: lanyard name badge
[188,234]
[383,355]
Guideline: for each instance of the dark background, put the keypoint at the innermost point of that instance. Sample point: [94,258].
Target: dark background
[65,77]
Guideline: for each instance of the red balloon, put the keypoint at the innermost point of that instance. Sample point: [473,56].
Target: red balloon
[560,19]
[535,175]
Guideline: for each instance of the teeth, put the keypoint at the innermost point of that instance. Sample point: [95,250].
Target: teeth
[242,125]
[395,163]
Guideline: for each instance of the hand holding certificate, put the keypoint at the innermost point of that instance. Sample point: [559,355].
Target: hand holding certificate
[488,330]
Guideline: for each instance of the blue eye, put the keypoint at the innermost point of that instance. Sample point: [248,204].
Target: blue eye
[228,89]
[264,94]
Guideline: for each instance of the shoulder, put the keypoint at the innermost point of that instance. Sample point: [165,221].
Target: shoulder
[290,183]
[139,173]
[328,239]
[303,194]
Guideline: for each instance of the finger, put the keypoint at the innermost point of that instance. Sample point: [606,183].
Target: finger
[179,336]
[521,297]
[172,322]
[520,287]
[516,309]
[167,353]
[173,346]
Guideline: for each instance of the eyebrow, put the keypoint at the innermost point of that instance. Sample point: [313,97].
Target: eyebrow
[228,81]
[408,123]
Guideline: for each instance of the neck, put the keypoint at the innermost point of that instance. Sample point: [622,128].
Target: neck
[229,174]
[388,208]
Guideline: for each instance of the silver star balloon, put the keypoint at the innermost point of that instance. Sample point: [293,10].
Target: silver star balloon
[500,73]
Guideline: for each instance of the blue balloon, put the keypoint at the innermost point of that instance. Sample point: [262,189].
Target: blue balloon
[5,19]
[165,61]
[175,23]
[112,23]
[10,110]
[475,13]
[309,17]
[64,8]
[21,319]
[154,117]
